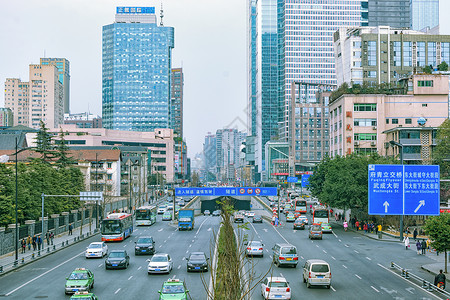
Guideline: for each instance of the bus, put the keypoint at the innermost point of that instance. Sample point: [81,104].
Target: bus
[146,215]
[117,227]
[320,215]
[300,207]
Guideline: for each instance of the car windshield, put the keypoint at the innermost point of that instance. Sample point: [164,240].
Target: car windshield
[319,268]
[197,257]
[288,250]
[144,240]
[278,284]
[159,259]
[111,226]
[316,228]
[83,298]
[78,276]
[325,225]
[173,289]
[254,243]
[95,246]
[116,254]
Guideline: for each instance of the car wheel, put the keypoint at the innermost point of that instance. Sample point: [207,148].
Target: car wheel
[304,280]
[308,285]
[328,286]
[295,266]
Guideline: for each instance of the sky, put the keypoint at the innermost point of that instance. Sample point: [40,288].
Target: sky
[210,46]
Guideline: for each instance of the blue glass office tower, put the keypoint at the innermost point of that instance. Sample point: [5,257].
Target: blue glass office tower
[424,13]
[136,71]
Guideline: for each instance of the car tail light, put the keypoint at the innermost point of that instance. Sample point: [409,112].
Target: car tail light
[309,274]
[295,258]
[281,258]
[248,248]
[260,248]
[288,290]
[267,289]
[328,275]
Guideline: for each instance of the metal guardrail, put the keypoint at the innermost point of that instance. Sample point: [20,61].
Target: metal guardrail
[426,285]
[49,249]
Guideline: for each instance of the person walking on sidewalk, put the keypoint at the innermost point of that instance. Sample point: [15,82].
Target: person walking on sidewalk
[52,236]
[34,241]
[47,237]
[345,225]
[415,233]
[29,242]
[23,244]
[406,241]
[423,246]
[39,242]
[419,247]
[70,228]
[357,225]
[439,280]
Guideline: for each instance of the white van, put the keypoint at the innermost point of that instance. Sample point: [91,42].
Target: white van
[317,272]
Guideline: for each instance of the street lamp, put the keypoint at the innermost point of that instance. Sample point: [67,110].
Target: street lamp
[394,143]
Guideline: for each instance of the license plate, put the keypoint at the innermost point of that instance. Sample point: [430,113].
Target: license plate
[255,249]
[319,276]
[114,265]
[92,254]
[197,268]
[157,270]
[288,258]
[144,250]
[277,296]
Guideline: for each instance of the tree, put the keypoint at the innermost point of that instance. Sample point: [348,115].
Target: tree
[443,66]
[438,229]
[61,153]
[44,145]
[427,69]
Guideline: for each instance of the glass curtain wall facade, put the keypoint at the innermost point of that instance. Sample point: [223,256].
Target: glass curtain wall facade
[136,72]
[394,13]
[252,67]
[424,13]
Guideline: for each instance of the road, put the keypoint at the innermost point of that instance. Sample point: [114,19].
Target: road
[45,278]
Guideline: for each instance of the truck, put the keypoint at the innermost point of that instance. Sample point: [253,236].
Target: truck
[186,219]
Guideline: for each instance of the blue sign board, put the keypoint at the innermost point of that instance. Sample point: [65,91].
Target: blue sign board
[305,180]
[135,10]
[227,191]
[404,190]
[292,179]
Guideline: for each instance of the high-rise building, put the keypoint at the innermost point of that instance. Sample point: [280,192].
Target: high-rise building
[136,71]
[228,143]
[210,154]
[176,101]
[83,120]
[394,13]
[6,117]
[39,99]
[424,14]
[62,65]
[384,55]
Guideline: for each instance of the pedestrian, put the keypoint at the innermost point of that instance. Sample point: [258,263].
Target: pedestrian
[419,247]
[23,243]
[345,225]
[29,242]
[406,241]
[357,225]
[70,228]
[375,227]
[379,227]
[52,236]
[415,233]
[428,245]
[47,237]
[424,246]
[34,241]
[439,280]
[39,242]
[365,227]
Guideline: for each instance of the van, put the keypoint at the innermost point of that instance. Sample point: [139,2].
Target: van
[285,254]
[317,272]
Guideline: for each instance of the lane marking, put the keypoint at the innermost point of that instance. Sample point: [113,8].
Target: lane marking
[374,289]
[201,226]
[280,234]
[37,277]
[179,267]
[332,288]
[419,287]
[344,266]
[125,246]
[165,241]
[324,251]
[184,258]
[333,258]
[161,229]
[368,258]
[281,275]
[358,276]
[301,257]
[411,290]
[346,245]
[100,265]
[193,240]
[139,268]
[356,251]
[130,277]
[173,277]
[334,234]
[117,291]
[340,240]
[190,245]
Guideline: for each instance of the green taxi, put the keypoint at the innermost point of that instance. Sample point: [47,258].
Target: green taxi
[167,216]
[173,289]
[84,296]
[80,280]
[326,227]
[290,217]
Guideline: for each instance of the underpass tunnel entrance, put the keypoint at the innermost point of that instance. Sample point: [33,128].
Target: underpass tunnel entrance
[214,203]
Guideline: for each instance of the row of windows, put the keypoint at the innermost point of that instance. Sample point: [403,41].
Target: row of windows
[395,121]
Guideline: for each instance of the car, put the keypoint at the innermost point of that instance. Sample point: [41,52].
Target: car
[160,263]
[173,289]
[117,259]
[290,217]
[304,218]
[316,272]
[167,216]
[299,224]
[197,261]
[285,254]
[250,214]
[96,249]
[161,209]
[80,280]
[275,288]
[257,219]
[271,203]
[216,213]
[326,228]
[83,296]
[238,217]
[206,212]
[254,248]
[315,231]
[144,245]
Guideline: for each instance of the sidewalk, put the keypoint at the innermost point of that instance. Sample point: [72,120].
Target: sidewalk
[7,261]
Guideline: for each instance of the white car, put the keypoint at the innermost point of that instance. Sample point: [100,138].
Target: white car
[161,209]
[96,249]
[250,214]
[160,263]
[275,288]
[303,218]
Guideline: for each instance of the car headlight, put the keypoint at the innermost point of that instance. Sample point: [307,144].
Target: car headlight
[137,248]
[123,260]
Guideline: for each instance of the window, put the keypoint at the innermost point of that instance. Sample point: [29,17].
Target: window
[394,121]
[109,177]
[424,105]
[109,165]
[408,121]
[365,122]
[365,107]
[426,83]
[372,74]
[365,137]
[372,53]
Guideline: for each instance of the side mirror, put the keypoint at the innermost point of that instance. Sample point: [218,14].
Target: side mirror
[67,278]
[207,258]
[187,291]
[148,260]
[262,244]
[159,292]
[187,258]
[135,242]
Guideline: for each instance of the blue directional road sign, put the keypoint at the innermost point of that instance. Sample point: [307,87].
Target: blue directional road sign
[227,191]
[305,180]
[403,190]
[292,179]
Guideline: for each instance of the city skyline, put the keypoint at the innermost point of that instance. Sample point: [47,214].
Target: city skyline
[214,64]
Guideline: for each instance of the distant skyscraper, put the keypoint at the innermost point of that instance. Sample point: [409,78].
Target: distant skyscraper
[62,65]
[136,71]
[424,13]
[394,13]
[16,99]
[176,101]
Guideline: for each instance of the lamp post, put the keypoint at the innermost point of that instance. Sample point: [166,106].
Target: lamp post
[394,143]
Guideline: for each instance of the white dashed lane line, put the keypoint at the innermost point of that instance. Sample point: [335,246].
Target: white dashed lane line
[324,251]
[344,266]
[333,258]
[355,251]
[368,258]
[100,265]
[117,291]
[333,288]
[129,278]
[139,268]
[357,276]
[374,289]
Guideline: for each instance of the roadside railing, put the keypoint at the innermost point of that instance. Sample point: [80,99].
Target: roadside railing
[426,285]
[45,250]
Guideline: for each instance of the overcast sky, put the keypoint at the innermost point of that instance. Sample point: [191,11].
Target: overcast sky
[210,45]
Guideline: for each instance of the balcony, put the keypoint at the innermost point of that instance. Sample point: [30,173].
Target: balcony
[412,156]
[408,142]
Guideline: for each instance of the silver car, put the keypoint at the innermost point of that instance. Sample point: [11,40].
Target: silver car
[254,248]
[160,263]
[96,249]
